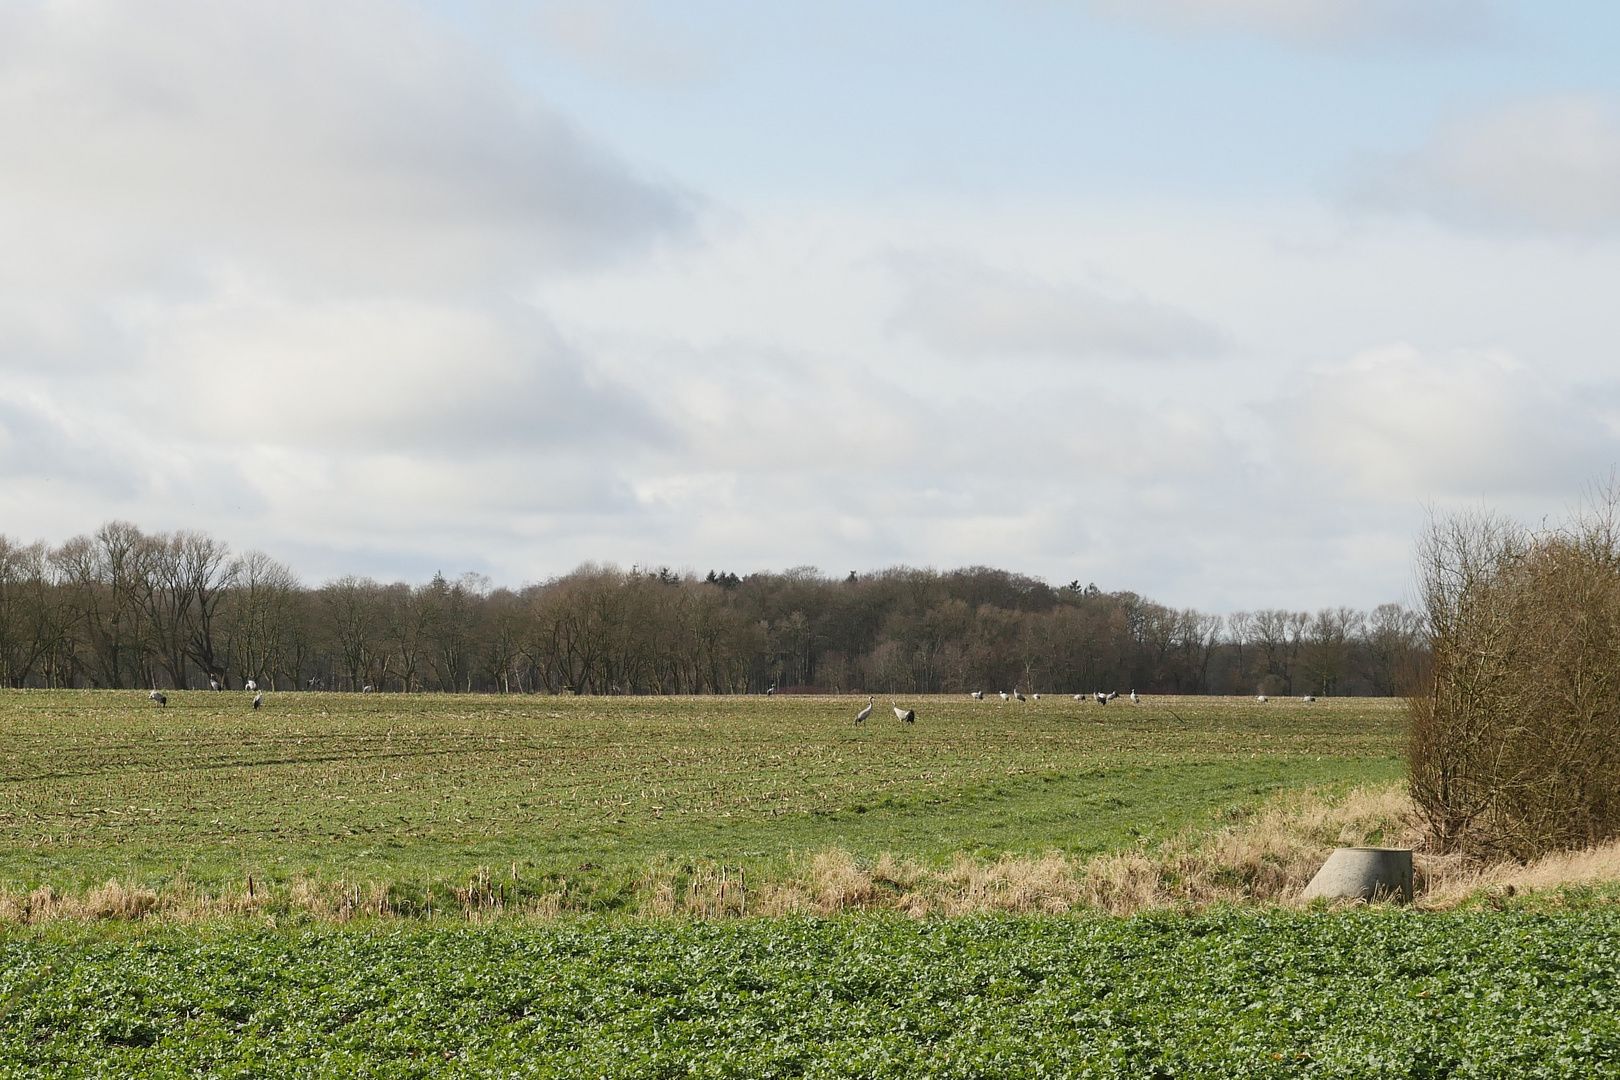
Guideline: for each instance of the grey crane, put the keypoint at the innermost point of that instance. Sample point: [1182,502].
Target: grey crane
[159,697]
[250,685]
[258,699]
[860,717]
[1004,695]
[1134,698]
[976,695]
[905,716]
[1019,696]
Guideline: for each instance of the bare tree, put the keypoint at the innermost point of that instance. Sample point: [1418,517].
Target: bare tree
[1330,639]
[260,611]
[409,619]
[29,614]
[1391,644]
[354,614]
[1239,632]
[106,581]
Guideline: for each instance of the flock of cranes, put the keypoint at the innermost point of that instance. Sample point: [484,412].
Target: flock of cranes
[905,716]
[909,716]
[158,697]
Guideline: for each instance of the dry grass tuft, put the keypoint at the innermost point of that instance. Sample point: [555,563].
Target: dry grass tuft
[1452,881]
[838,882]
[900,873]
[1046,884]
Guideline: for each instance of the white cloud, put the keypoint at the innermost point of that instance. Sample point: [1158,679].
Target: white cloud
[259,260]
[1400,424]
[1316,23]
[374,373]
[1550,163]
[962,307]
[348,143]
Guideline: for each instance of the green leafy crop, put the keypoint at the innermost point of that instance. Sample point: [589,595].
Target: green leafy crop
[1225,994]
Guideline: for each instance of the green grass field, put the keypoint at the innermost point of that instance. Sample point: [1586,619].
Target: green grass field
[99,785]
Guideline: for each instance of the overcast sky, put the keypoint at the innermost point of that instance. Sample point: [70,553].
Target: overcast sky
[1209,299]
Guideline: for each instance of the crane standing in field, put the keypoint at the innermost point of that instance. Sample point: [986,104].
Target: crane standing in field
[860,717]
[976,695]
[159,697]
[258,699]
[905,716]
[1134,698]
[1019,696]
[1004,695]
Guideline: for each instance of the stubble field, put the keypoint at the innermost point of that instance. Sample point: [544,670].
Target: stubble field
[419,789]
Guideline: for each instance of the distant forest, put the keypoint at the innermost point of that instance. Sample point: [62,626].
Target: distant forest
[123,608]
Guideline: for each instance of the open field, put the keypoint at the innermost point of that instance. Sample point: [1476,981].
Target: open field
[1255,993]
[591,802]
[406,789]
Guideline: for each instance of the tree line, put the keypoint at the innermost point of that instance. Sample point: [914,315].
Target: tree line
[126,608]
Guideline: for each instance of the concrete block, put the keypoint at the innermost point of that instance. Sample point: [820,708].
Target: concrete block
[1363,873]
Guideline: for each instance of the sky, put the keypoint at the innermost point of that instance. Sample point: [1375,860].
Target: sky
[1214,300]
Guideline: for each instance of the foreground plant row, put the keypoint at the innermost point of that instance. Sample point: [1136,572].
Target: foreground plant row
[1250,994]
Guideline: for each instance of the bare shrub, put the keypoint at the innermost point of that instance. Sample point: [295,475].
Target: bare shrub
[1515,747]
